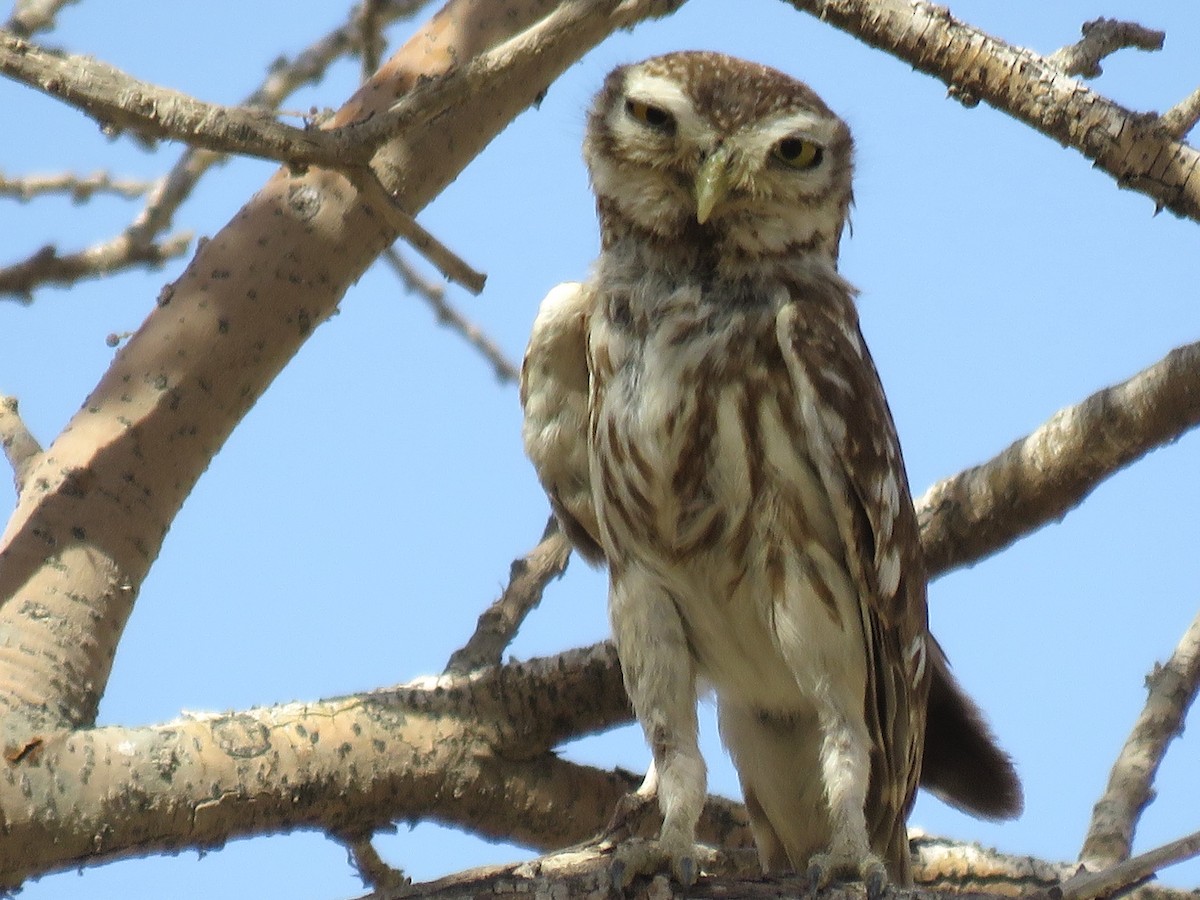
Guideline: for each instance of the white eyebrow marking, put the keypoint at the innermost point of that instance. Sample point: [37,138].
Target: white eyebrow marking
[668,94]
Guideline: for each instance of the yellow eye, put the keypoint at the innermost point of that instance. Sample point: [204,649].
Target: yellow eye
[799,153]
[649,114]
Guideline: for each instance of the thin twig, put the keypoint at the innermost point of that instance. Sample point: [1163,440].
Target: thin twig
[370,35]
[526,581]
[433,293]
[1172,690]
[1181,118]
[20,446]
[1089,885]
[1041,477]
[1101,38]
[370,866]
[81,187]
[442,257]
[31,16]
[48,266]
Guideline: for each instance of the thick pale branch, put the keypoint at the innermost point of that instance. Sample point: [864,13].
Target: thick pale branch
[1043,476]
[1101,38]
[526,580]
[1172,690]
[156,217]
[1135,149]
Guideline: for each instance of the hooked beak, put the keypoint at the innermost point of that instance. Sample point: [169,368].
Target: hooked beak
[712,183]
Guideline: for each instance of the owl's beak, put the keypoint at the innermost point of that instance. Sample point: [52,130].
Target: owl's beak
[712,183]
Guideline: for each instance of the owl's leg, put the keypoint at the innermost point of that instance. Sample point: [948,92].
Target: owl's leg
[846,770]
[661,680]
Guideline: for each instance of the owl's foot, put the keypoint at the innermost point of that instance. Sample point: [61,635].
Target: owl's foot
[824,868]
[637,856]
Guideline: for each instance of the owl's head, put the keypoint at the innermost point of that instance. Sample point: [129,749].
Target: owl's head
[697,145]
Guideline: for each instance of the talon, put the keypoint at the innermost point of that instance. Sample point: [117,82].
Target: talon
[817,875]
[876,882]
[619,873]
[686,871]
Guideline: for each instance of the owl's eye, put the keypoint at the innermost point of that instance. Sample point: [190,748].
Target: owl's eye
[648,114]
[799,153]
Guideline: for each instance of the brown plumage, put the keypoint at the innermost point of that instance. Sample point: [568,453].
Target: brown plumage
[706,418]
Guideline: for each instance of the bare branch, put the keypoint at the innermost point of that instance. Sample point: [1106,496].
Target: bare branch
[1046,474]
[81,187]
[1133,148]
[1181,118]
[369,20]
[370,866]
[1101,38]
[20,446]
[435,296]
[30,16]
[942,870]
[442,257]
[1172,690]
[1112,881]
[117,100]
[284,77]
[526,581]
[48,266]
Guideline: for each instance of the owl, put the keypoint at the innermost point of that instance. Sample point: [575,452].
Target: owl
[707,421]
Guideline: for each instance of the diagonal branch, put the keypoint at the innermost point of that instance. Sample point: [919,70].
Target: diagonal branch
[1113,881]
[526,581]
[433,294]
[1043,476]
[1172,690]
[1134,148]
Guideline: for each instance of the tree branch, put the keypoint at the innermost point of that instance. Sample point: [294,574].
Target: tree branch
[79,551]
[526,581]
[1134,148]
[1101,38]
[48,266]
[1043,476]
[433,294]
[1172,690]
[30,16]
[1114,880]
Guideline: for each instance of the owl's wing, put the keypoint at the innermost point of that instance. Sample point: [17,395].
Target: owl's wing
[554,397]
[854,447]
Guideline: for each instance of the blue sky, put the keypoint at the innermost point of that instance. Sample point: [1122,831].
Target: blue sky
[368,508]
